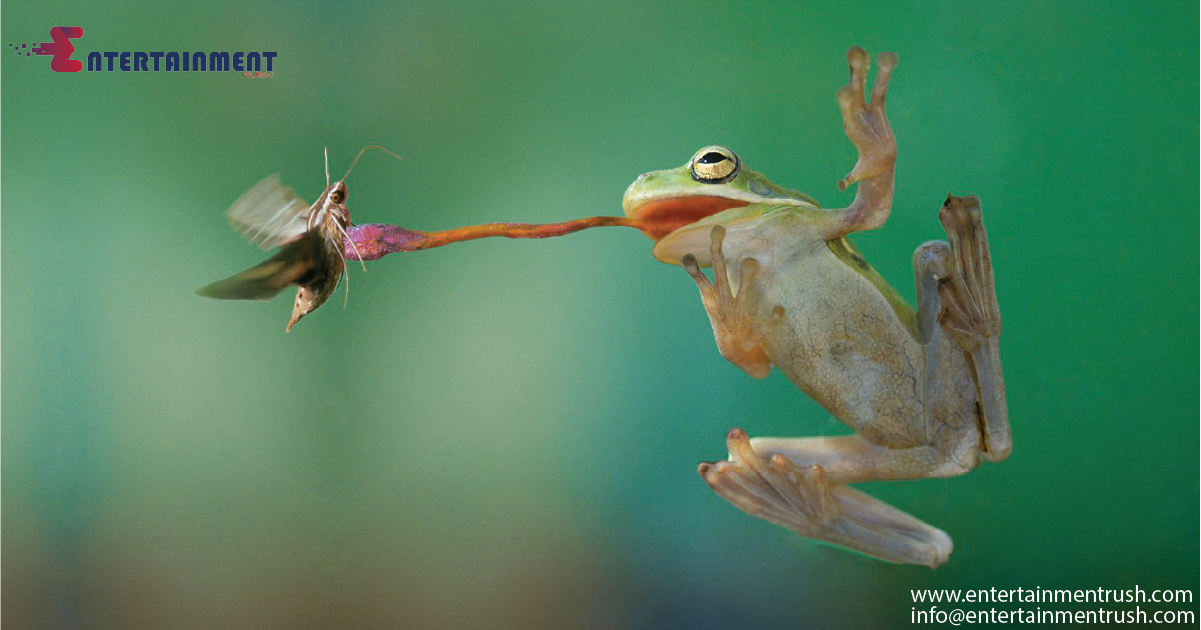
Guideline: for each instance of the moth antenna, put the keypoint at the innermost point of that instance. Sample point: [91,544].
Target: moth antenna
[327,167]
[366,149]
[352,244]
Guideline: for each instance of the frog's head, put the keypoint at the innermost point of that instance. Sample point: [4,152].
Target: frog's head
[680,206]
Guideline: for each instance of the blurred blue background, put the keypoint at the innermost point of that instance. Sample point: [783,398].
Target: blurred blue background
[505,433]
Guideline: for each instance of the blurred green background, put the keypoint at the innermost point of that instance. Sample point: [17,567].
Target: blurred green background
[505,433]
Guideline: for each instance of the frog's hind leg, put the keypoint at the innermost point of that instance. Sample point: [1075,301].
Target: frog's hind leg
[852,459]
[968,312]
[804,501]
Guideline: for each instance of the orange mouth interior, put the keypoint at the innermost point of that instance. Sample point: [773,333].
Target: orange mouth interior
[660,218]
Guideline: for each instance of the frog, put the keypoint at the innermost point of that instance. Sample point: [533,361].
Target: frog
[921,389]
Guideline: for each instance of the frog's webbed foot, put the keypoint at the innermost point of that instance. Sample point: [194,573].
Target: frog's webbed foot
[866,124]
[736,328]
[802,500]
[970,315]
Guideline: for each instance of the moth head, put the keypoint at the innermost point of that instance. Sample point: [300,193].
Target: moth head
[338,193]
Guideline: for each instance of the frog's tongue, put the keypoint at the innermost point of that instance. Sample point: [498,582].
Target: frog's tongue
[376,240]
[373,241]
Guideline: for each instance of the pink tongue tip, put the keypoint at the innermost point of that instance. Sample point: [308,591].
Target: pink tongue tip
[373,241]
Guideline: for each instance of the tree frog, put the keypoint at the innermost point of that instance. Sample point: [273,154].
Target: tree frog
[922,391]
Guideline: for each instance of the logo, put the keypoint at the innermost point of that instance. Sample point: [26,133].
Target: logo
[60,49]
[253,65]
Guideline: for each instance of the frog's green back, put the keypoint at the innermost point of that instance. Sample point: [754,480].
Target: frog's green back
[846,252]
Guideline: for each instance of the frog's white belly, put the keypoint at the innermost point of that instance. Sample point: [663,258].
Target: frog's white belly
[843,345]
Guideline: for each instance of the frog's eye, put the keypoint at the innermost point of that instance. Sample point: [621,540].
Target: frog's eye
[714,165]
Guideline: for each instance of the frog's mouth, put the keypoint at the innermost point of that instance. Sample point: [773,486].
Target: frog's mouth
[659,217]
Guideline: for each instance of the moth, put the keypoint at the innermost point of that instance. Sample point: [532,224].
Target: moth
[311,241]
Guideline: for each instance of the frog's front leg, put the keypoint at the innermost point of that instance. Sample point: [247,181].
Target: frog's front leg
[866,124]
[804,501]
[736,328]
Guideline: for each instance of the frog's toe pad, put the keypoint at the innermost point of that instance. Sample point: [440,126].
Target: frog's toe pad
[801,499]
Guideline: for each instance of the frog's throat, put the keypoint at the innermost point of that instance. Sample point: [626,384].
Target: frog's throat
[661,217]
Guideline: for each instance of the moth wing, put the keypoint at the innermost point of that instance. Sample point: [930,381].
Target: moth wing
[269,214]
[293,264]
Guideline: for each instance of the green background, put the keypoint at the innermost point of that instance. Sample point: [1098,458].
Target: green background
[505,433]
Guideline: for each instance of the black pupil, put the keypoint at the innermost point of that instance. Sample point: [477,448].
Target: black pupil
[711,157]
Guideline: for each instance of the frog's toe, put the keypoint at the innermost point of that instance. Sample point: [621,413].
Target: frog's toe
[860,62]
[721,281]
[702,282]
[885,63]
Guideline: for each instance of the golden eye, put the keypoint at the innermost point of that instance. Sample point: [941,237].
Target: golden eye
[714,165]
[336,196]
